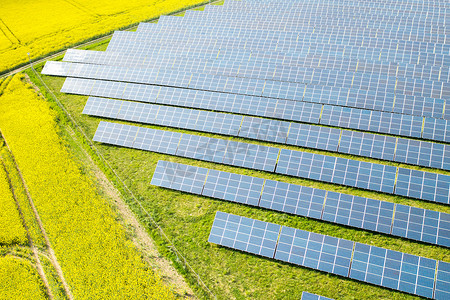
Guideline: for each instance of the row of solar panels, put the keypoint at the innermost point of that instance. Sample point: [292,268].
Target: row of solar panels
[292,29]
[403,89]
[312,16]
[324,9]
[349,142]
[353,173]
[310,47]
[292,33]
[379,216]
[392,269]
[257,106]
[404,4]
[210,58]
[436,9]
[302,39]
[367,120]
[403,25]
[287,22]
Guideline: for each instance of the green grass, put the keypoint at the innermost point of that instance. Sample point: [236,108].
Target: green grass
[230,274]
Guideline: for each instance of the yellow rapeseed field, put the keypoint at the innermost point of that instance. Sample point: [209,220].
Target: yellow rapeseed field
[11,227]
[97,259]
[43,26]
[19,280]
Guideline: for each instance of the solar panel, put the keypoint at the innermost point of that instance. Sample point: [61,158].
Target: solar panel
[309,296]
[409,222]
[233,187]
[179,177]
[293,199]
[315,251]
[392,269]
[244,234]
[442,290]
[337,170]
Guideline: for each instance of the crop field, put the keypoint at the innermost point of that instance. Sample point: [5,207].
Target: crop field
[74,215]
[48,26]
[77,216]
[19,280]
[11,227]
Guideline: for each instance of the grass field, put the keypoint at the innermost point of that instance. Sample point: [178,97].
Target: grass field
[232,274]
[47,26]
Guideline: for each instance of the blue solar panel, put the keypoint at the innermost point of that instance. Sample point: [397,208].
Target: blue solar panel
[251,156]
[309,296]
[392,269]
[203,148]
[244,234]
[370,145]
[293,199]
[424,185]
[314,251]
[233,187]
[179,177]
[442,291]
[337,170]
[358,212]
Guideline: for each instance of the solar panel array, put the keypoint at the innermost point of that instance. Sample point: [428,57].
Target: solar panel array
[375,265]
[376,177]
[363,78]
[400,220]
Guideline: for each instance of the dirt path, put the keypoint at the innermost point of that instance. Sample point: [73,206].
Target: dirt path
[51,253]
[39,267]
[140,236]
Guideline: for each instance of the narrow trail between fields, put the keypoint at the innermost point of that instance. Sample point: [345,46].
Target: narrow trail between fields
[34,249]
[50,250]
